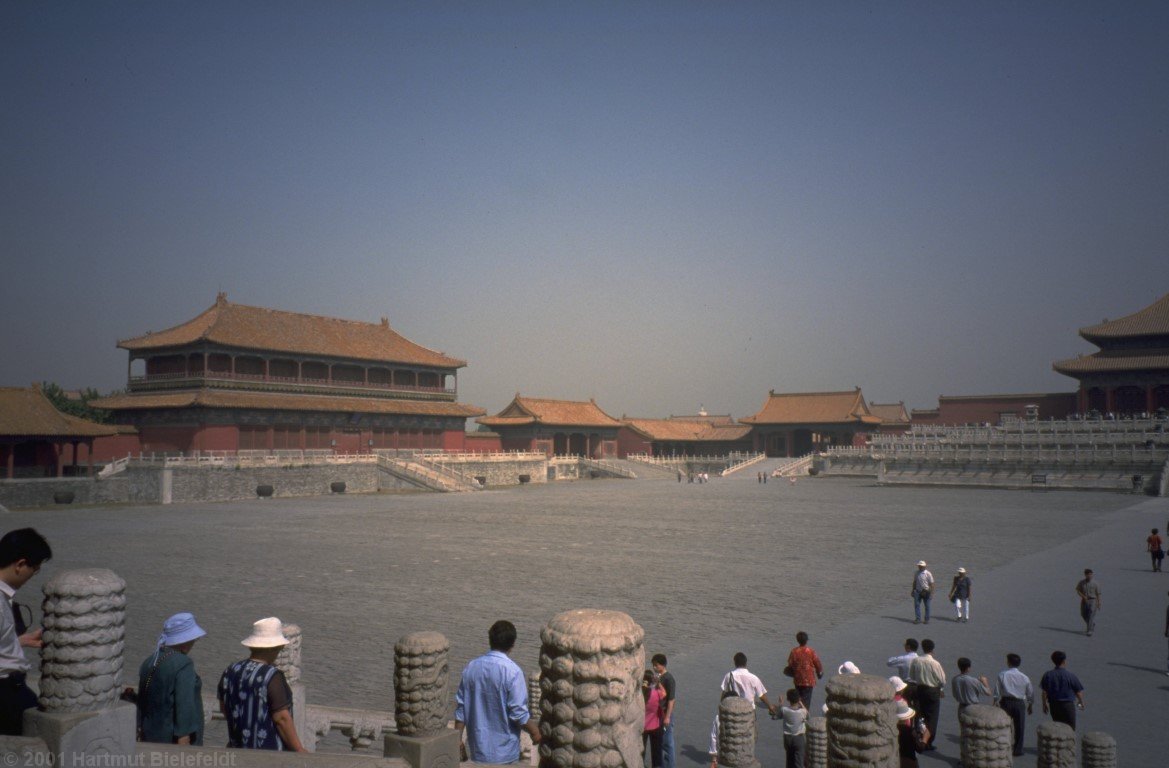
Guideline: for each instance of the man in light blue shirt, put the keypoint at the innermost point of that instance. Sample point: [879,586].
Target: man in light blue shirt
[492,701]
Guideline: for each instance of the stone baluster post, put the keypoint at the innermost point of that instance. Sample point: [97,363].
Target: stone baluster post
[81,718]
[862,722]
[1098,750]
[288,662]
[736,733]
[527,753]
[591,710]
[816,730]
[1057,746]
[421,680]
[986,736]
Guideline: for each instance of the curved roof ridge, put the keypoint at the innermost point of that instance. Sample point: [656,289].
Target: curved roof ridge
[1152,320]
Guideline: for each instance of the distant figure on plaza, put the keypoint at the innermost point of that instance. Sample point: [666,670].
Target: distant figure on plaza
[654,696]
[921,592]
[1156,551]
[1062,691]
[967,688]
[960,593]
[746,683]
[1090,600]
[1015,694]
[22,553]
[670,686]
[901,665]
[491,702]
[804,664]
[170,693]
[927,673]
[254,696]
[794,715]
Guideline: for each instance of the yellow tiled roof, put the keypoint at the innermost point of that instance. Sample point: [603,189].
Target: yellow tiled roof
[890,413]
[1104,362]
[214,398]
[568,413]
[274,330]
[680,430]
[814,408]
[26,412]
[1153,320]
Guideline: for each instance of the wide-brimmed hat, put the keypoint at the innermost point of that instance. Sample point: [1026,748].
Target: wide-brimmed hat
[904,711]
[921,563]
[848,668]
[961,570]
[180,628]
[899,685]
[266,633]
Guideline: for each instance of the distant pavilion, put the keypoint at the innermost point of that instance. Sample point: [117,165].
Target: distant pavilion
[555,427]
[684,436]
[238,377]
[796,423]
[894,418]
[37,440]
[1130,372]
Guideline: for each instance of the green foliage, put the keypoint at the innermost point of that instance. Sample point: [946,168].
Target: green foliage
[80,408]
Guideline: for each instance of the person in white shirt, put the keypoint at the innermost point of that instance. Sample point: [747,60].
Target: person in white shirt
[746,684]
[921,592]
[22,552]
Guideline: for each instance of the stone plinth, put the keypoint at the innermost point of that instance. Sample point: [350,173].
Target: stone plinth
[986,736]
[862,722]
[736,733]
[102,737]
[288,662]
[591,709]
[816,737]
[84,623]
[1098,750]
[1057,746]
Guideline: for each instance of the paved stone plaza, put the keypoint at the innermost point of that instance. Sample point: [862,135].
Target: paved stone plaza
[707,570]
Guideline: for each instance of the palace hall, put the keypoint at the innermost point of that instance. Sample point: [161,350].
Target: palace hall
[238,378]
[1130,372]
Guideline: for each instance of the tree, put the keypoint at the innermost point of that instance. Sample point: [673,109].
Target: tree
[79,407]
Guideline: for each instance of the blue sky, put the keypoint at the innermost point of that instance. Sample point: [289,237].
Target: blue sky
[658,205]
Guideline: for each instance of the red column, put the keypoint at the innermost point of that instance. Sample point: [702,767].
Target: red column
[1109,405]
[11,460]
[1149,399]
[89,464]
[60,459]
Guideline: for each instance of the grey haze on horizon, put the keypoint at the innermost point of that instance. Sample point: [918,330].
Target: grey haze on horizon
[658,205]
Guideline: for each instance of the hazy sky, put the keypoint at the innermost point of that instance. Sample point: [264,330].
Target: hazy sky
[658,205]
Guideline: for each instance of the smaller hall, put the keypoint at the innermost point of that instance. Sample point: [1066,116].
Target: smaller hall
[37,440]
[796,423]
[1130,372]
[555,427]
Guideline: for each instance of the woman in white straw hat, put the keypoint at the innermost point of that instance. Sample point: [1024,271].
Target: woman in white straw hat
[911,734]
[170,701]
[254,696]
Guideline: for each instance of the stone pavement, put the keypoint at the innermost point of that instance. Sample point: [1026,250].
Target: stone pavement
[1027,606]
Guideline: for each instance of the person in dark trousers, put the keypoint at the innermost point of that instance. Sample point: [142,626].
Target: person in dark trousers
[927,672]
[1090,601]
[1062,692]
[1015,694]
[22,552]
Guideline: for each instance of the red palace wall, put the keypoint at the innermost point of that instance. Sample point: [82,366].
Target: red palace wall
[629,442]
[482,442]
[217,438]
[454,440]
[990,409]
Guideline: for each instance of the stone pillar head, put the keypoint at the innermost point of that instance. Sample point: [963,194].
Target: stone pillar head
[84,621]
[1098,750]
[591,709]
[421,675]
[1056,745]
[862,722]
[986,736]
[288,661]
[736,733]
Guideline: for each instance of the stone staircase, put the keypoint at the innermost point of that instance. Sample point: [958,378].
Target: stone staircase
[427,475]
[794,467]
[748,462]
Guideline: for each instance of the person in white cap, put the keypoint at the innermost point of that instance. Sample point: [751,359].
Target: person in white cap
[912,734]
[254,696]
[921,592]
[960,594]
[170,702]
